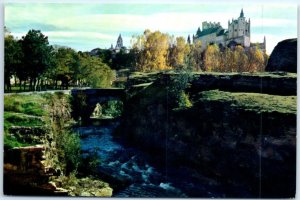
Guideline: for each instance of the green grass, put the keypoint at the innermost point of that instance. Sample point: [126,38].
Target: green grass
[28,104]
[254,101]
[22,110]
[20,119]
[11,142]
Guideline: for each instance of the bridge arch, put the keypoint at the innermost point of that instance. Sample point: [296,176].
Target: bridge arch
[84,100]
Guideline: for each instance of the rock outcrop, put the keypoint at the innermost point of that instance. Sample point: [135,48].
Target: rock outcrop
[25,173]
[284,57]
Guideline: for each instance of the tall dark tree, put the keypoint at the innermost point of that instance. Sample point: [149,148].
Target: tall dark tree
[37,55]
[12,59]
[66,68]
[198,32]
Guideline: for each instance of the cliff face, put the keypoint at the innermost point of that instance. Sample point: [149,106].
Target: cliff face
[236,138]
[284,57]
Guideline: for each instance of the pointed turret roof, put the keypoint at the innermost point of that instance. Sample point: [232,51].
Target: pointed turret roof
[119,44]
[242,13]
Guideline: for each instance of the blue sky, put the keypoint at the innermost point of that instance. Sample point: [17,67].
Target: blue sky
[91,25]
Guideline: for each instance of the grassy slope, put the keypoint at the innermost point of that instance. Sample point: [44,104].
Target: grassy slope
[254,101]
[22,110]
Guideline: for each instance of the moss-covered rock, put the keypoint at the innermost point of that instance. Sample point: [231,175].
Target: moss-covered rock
[86,186]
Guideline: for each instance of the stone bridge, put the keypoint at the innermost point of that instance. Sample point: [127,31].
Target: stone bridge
[84,100]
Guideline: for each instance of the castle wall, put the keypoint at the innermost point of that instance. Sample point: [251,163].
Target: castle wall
[206,39]
[221,40]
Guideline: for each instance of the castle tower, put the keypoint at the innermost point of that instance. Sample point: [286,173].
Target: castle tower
[239,30]
[119,44]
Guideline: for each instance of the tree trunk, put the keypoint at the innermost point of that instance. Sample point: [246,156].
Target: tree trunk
[36,83]
[20,84]
[55,84]
[42,84]
[30,84]
[15,81]
[7,84]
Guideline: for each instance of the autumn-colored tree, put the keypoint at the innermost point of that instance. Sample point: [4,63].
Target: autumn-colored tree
[212,61]
[229,63]
[152,50]
[256,60]
[195,55]
[241,59]
[178,53]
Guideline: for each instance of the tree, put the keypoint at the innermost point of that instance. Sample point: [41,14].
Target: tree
[37,55]
[256,60]
[178,53]
[212,60]
[12,59]
[65,67]
[241,59]
[152,50]
[198,32]
[121,60]
[229,63]
[94,73]
[195,55]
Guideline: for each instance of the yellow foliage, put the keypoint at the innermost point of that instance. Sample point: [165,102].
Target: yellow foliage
[212,59]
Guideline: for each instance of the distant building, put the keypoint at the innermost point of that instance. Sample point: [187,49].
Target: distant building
[238,33]
[119,46]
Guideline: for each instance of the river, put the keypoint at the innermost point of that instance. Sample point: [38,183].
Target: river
[146,177]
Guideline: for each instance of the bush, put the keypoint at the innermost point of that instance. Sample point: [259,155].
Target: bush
[113,108]
[184,101]
[179,82]
[70,144]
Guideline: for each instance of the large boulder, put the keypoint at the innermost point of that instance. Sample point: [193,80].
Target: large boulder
[284,57]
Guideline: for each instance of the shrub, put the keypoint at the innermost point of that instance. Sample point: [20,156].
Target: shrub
[62,145]
[113,108]
[184,101]
[176,89]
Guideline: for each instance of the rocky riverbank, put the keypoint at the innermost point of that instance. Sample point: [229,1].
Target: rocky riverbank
[25,168]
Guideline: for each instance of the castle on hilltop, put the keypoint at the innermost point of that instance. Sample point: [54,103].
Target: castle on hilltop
[238,33]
